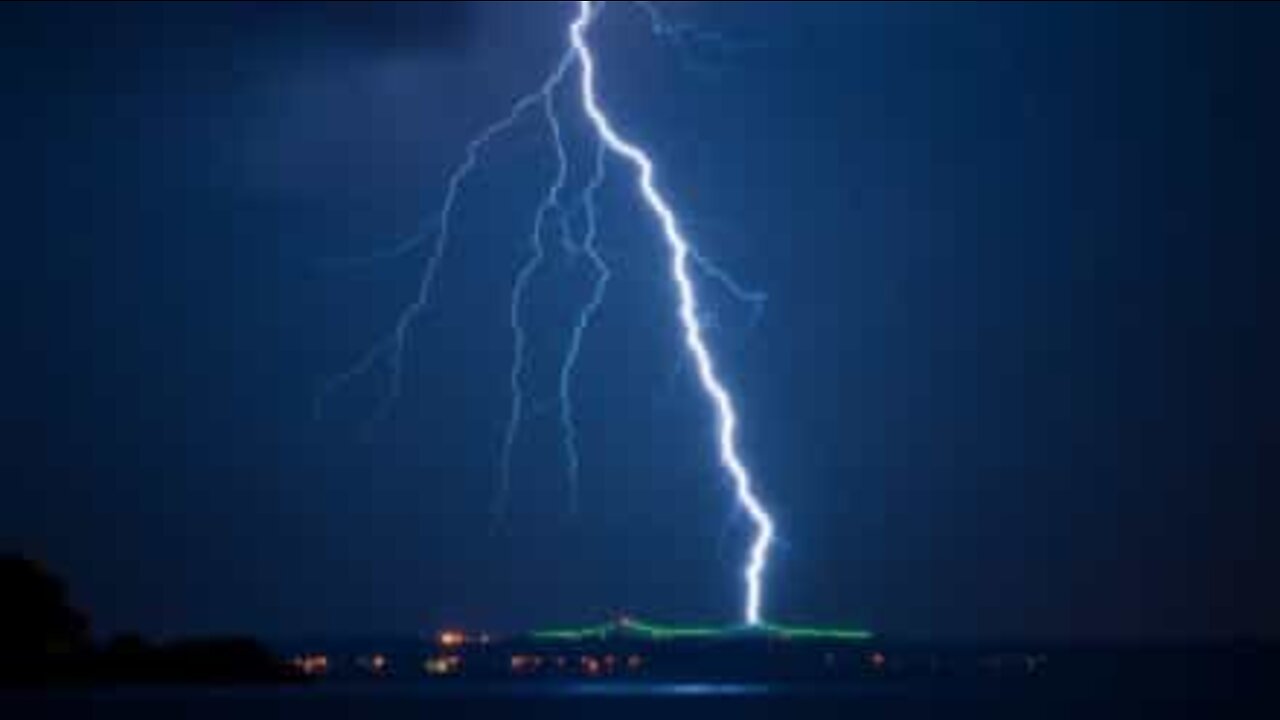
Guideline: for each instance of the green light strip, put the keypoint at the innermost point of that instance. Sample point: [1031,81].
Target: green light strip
[663,632]
[817,633]
[596,632]
[654,631]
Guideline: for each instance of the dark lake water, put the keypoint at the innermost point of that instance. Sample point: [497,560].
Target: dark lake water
[666,701]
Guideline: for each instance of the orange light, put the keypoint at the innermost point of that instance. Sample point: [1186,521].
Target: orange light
[311,664]
[452,639]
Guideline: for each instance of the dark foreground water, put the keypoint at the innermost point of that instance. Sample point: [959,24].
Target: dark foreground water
[664,701]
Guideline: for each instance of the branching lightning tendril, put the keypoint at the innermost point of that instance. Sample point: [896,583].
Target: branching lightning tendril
[684,257]
[550,203]
[569,429]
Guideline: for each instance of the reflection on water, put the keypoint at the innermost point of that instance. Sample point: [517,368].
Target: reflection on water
[615,700]
[658,689]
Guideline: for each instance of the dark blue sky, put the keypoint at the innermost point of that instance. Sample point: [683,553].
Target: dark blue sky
[1016,374]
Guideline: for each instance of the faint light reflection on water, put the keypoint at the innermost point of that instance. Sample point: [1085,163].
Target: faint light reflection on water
[662,689]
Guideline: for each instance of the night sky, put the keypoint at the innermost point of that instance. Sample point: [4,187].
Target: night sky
[1016,375]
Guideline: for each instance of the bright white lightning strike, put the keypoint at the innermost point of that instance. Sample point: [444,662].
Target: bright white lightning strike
[679,246]
[392,346]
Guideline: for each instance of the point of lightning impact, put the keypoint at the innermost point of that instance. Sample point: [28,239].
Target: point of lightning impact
[726,417]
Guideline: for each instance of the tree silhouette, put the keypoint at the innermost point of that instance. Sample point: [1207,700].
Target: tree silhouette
[39,627]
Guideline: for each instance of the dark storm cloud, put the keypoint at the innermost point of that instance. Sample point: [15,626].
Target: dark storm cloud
[391,25]
[375,25]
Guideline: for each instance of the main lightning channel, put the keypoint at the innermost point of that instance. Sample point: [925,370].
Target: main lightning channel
[679,247]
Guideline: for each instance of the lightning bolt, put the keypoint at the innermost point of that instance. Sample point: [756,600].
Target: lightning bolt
[390,348]
[679,247]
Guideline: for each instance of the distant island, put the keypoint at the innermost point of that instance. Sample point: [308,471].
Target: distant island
[44,641]
[47,641]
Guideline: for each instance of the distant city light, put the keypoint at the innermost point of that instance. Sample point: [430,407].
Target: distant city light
[375,664]
[452,639]
[443,665]
[877,660]
[311,665]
